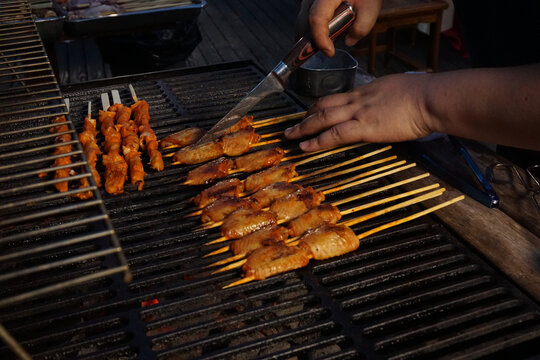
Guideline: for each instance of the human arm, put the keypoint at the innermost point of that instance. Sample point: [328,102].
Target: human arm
[318,13]
[497,105]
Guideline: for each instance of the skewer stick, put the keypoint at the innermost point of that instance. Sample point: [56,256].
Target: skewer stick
[347,212]
[279,119]
[410,217]
[240,282]
[277,133]
[360,167]
[325,154]
[133,93]
[262,143]
[363,179]
[401,205]
[373,231]
[344,163]
[234,265]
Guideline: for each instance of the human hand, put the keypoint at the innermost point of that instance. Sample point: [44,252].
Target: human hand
[318,14]
[390,109]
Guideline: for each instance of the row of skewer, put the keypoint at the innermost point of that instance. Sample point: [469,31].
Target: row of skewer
[274,225]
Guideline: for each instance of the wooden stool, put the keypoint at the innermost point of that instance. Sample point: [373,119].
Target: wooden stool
[398,13]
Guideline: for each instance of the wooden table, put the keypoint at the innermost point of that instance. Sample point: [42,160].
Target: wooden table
[400,13]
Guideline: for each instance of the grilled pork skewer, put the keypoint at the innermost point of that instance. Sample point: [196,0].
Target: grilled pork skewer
[64,172]
[147,138]
[268,261]
[115,164]
[130,140]
[88,140]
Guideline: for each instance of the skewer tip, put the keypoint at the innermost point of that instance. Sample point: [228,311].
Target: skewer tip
[217,241]
[239,282]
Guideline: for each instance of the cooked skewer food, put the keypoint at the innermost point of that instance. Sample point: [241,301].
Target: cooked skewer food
[115,164]
[64,172]
[147,138]
[130,140]
[88,140]
[323,243]
[182,138]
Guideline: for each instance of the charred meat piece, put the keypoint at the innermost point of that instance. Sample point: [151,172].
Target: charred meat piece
[199,154]
[239,142]
[91,149]
[271,260]
[62,186]
[231,187]
[182,138]
[259,160]
[296,203]
[246,221]
[266,237]
[328,241]
[265,196]
[243,123]
[115,173]
[318,216]
[136,168]
[223,207]
[261,179]
[147,138]
[216,169]
[123,113]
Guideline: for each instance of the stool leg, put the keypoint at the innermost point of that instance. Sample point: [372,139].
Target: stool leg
[435,33]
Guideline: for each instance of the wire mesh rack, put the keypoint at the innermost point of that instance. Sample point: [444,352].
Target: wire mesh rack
[50,241]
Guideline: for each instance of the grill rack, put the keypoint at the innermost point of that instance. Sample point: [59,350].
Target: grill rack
[32,240]
[413,292]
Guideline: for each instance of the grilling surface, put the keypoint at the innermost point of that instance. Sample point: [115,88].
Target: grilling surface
[410,292]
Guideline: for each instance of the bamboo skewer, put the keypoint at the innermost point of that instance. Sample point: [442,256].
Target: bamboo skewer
[260,143]
[279,119]
[353,210]
[370,232]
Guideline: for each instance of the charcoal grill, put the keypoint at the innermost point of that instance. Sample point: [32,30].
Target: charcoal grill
[413,292]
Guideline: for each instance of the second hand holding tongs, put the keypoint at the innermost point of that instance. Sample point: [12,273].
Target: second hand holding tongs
[276,80]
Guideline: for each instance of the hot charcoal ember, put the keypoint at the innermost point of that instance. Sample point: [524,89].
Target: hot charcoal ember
[239,142]
[130,144]
[182,138]
[272,260]
[259,160]
[318,216]
[265,196]
[62,186]
[229,187]
[328,241]
[199,154]
[91,149]
[246,221]
[257,181]
[215,169]
[266,237]
[223,207]
[296,203]
[147,138]
[115,164]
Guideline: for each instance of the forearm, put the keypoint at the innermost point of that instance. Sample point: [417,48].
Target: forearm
[494,105]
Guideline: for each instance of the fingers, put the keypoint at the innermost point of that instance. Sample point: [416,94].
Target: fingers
[340,134]
[320,15]
[323,117]
[366,16]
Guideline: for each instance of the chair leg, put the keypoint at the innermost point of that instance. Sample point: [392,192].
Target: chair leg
[372,52]
[435,34]
[390,45]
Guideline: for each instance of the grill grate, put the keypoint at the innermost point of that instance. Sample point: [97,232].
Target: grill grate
[413,292]
[48,241]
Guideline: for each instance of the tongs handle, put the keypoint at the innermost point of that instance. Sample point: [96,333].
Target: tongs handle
[343,18]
